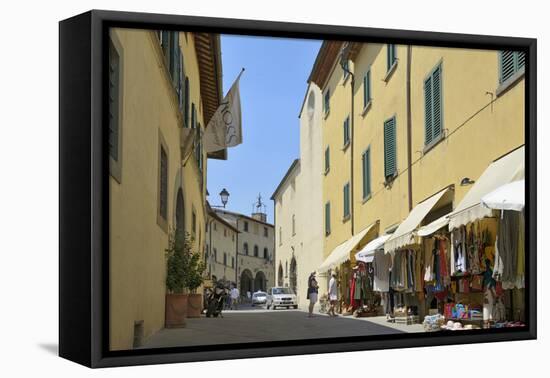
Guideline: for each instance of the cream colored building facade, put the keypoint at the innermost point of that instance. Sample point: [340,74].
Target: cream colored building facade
[157,167]
[255,250]
[221,249]
[421,119]
[298,206]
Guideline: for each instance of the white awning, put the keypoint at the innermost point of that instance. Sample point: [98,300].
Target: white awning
[340,254]
[434,226]
[508,168]
[507,197]
[367,253]
[404,235]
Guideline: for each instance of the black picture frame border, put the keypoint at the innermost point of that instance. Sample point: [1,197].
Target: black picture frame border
[84,194]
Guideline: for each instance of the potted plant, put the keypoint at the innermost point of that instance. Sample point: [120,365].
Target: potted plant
[193,280]
[176,262]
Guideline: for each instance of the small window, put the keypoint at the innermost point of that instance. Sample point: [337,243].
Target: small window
[232,262]
[215,227]
[366,174]
[346,201]
[266,234]
[266,254]
[245,248]
[327,159]
[346,131]
[256,251]
[225,232]
[280,235]
[327,218]
[215,255]
[194,222]
[366,89]
[163,185]
[390,149]
[293,224]
[225,259]
[246,226]
[326,103]
[392,56]
[510,62]
[193,116]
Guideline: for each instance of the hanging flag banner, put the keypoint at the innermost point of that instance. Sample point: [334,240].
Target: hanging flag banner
[225,129]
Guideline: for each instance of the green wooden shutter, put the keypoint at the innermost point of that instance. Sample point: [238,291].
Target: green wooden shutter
[327,218]
[520,59]
[346,131]
[433,104]
[366,89]
[366,173]
[428,120]
[390,151]
[114,103]
[346,200]
[327,159]
[327,101]
[507,65]
[391,55]
[437,103]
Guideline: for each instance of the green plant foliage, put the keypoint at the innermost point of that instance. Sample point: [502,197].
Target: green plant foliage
[184,267]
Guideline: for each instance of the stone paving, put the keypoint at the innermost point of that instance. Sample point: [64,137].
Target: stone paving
[256,324]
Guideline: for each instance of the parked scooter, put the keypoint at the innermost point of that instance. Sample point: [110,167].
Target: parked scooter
[216,298]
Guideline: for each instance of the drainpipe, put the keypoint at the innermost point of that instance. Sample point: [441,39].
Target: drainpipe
[409,126]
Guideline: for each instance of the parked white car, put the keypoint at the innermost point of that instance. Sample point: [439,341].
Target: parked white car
[281,297]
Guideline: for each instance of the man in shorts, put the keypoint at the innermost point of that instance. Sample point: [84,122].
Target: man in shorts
[332,295]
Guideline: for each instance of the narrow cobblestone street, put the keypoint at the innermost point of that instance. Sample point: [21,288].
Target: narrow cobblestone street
[258,324]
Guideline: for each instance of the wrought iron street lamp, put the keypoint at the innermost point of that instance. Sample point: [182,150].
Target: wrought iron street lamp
[224,195]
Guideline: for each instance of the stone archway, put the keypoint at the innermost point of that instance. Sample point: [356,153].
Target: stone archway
[260,281]
[280,275]
[293,275]
[247,282]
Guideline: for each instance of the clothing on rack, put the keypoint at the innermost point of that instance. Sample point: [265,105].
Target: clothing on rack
[381,266]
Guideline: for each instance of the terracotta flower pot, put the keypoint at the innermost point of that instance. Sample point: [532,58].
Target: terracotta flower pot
[194,307]
[175,310]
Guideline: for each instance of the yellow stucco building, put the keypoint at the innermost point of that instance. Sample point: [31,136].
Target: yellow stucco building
[164,87]
[420,120]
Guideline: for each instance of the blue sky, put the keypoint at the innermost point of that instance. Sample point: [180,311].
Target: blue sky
[272,90]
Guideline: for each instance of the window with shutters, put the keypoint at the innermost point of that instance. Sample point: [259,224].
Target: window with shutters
[326,102]
[232,262]
[366,91]
[225,259]
[346,132]
[390,149]
[215,255]
[345,68]
[327,218]
[511,67]
[366,174]
[115,109]
[245,248]
[391,56]
[327,160]
[186,103]
[346,202]
[256,251]
[433,108]
[162,214]
[266,254]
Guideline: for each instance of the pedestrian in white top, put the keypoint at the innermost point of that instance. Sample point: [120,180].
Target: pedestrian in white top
[234,297]
[332,294]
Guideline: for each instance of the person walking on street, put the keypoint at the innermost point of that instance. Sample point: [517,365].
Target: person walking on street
[312,290]
[234,297]
[332,294]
